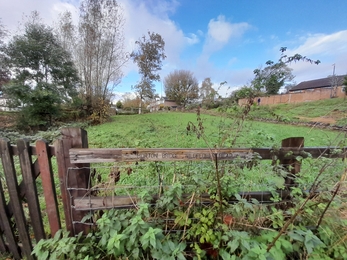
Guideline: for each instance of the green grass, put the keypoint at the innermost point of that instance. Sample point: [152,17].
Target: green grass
[158,130]
[335,108]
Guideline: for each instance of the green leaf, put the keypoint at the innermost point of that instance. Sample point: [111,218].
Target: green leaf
[233,245]
[224,254]
[295,236]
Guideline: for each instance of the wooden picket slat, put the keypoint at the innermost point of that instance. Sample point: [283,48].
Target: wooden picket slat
[12,185]
[6,226]
[21,186]
[2,243]
[43,156]
[30,188]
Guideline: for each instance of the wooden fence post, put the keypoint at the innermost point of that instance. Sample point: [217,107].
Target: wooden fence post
[74,178]
[291,164]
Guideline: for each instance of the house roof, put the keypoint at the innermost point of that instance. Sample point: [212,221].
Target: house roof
[318,83]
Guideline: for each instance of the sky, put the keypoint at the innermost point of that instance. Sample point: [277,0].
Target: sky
[225,40]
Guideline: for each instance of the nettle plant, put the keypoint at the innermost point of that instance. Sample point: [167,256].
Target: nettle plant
[190,215]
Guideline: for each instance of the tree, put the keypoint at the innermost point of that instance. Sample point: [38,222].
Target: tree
[290,86]
[345,85]
[244,92]
[274,75]
[119,104]
[97,47]
[207,92]
[4,73]
[181,86]
[148,58]
[43,75]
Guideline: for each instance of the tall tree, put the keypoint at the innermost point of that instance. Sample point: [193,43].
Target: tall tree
[207,92]
[181,86]
[4,73]
[42,73]
[148,58]
[97,47]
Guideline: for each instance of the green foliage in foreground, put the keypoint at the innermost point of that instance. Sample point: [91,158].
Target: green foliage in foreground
[182,228]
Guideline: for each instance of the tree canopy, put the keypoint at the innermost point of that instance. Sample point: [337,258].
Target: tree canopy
[345,85]
[181,86]
[272,77]
[4,73]
[42,73]
[275,75]
[97,48]
[148,57]
[207,92]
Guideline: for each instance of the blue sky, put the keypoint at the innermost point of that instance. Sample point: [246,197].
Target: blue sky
[220,39]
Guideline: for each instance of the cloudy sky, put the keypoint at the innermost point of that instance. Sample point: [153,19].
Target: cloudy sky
[221,39]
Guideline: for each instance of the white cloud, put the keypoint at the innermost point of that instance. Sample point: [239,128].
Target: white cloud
[12,12]
[192,39]
[328,48]
[220,32]
[323,44]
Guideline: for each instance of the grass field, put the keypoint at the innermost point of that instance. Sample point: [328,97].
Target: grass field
[168,129]
[333,111]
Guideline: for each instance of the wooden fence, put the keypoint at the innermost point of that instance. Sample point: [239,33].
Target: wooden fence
[23,208]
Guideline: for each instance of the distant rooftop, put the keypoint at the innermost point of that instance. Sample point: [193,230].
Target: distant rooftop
[319,83]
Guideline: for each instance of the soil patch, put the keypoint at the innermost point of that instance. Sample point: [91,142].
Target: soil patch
[321,119]
[6,121]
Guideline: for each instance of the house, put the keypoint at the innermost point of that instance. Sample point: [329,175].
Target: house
[306,91]
[162,104]
[334,83]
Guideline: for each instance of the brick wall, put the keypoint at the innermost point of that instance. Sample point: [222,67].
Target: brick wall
[304,96]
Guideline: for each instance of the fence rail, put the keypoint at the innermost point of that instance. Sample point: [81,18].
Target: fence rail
[101,155]
[23,195]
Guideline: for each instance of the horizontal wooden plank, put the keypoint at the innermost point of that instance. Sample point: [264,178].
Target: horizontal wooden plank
[99,155]
[33,150]
[122,202]
[154,154]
